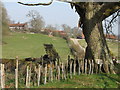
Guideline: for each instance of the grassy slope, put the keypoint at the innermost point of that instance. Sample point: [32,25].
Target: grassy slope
[113,45]
[31,45]
[86,81]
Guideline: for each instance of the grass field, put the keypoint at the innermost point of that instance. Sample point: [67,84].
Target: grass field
[31,45]
[86,81]
[113,46]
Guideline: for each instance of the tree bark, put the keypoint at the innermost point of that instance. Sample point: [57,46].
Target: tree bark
[93,31]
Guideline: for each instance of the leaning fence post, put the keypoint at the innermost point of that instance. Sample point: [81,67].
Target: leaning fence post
[39,74]
[16,73]
[45,80]
[29,77]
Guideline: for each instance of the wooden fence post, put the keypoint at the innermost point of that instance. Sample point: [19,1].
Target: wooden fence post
[58,72]
[16,73]
[90,69]
[67,69]
[74,67]
[85,66]
[92,63]
[51,72]
[39,74]
[62,71]
[27,77]
[2,76]
[79,67]
[100,68]
[70,69]
[55,70]
[45,80]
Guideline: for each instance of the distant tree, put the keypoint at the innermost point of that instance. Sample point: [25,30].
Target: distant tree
[36,21]
[4,19]
[66,28]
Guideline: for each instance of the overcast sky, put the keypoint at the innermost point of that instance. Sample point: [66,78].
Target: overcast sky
[57,13]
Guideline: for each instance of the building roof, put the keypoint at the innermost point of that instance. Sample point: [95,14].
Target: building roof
[109,36]
[17,25]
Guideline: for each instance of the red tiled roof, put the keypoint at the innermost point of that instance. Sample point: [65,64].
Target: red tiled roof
[17,25]
[111,36]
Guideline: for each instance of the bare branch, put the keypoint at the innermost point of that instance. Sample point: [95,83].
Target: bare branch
[44,4]
[109,25]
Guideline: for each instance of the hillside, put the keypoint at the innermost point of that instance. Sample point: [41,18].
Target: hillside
[31,45]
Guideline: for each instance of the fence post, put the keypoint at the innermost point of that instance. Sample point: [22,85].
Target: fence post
[100,68]
[92,63]
[39,74]
[74,68]
[51,72]
[85,66]
[45,80]
[62,71]
[67,69]
[58,72]
[16,73]
[90,66]
[55,70]
[79,67]
[27,77]
[70,69]
[2,76]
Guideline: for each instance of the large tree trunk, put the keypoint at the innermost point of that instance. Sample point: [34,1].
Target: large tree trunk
[96,44]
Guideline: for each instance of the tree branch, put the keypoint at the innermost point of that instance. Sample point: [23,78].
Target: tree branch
[109,25]
[44,4]
[106,10]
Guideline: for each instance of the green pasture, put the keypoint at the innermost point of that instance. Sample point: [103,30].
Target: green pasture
[31,45]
